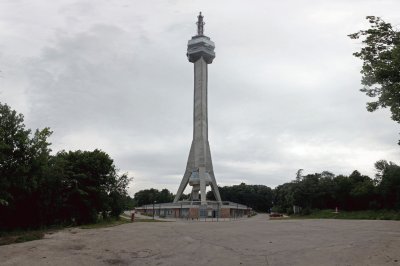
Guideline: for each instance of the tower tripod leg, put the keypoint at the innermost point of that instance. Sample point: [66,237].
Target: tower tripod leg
[202,175]
[214,187]
[186,176]
[182,186]
[210,170]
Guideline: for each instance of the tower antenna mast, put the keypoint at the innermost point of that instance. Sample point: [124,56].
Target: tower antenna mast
[200,24]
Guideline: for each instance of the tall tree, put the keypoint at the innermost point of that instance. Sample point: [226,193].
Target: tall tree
[91,184]
[23,160]
[149,196]
[381,65]
[258,197]
[388,179]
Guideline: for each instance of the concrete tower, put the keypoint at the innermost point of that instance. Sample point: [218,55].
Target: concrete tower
[199,170]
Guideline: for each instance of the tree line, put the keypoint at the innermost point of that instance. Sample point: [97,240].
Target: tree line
[354,192]
[258,197]
[38,189]
[309,192]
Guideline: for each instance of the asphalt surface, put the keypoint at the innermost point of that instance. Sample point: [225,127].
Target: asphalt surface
[253,241]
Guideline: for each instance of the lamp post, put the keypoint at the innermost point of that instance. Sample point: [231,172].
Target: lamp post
[154,202]
[219,209]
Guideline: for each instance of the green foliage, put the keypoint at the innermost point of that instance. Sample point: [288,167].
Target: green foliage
[381,65]
[76,187]
[130,203]
[89,185]
[258,197]
[20,236]
[37,189]
[148,196]
[365,215]
[105,222]
[23,161]
[389,184]
[150,221]
[283,197]
[353,192]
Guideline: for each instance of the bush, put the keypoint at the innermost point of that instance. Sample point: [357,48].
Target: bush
[275,215]
[305,211]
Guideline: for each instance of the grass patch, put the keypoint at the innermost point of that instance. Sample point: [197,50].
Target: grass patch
[12,237]
[252,214]
[24,235]
[125,216]
[19,236]
[360,215]
[149,221]
[109,222]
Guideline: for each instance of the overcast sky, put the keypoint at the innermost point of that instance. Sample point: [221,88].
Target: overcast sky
[283,88]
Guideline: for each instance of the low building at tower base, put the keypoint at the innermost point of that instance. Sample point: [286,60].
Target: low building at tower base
[195,210]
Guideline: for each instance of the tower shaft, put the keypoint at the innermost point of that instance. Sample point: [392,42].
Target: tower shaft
[200,114]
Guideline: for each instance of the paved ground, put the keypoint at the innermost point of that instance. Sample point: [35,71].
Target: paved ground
[255,241]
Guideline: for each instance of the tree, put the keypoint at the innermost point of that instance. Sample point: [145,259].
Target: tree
[380,167]
[283,200]
[165,196]
[362,192]
[327,191]
[306,192]
[130,203]
[118,196]
[23,160]
[37,189]
[91,185]
[388,179]
[258,197]
[148,196]
[381,65]
[342,188]
[299,174]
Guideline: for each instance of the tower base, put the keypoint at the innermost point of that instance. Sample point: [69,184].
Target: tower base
[194,210]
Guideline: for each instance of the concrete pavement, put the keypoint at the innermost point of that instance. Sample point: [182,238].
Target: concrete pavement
[253,241]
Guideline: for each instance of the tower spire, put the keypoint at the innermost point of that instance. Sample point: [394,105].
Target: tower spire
[200,24]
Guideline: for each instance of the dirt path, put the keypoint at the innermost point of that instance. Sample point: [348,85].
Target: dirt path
[255,241]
